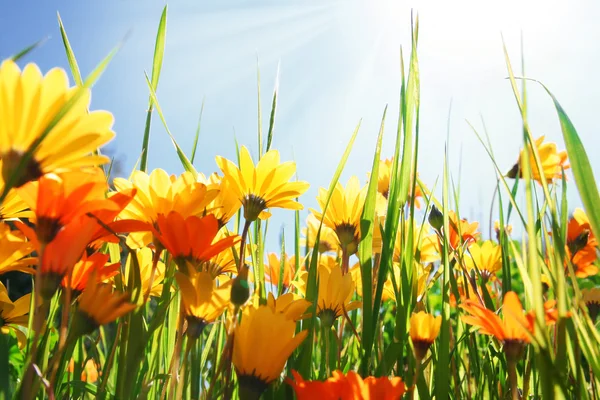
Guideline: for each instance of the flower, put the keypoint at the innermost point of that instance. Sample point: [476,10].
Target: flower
[384,179]
[263,186]
[99,305]
[226,204]
[89,373]
[203,300]
[553,162]
[190,240]
[30,102]
[15,251]
[507,229]
[58,199]
[159,194]
[591,298]
[343,212]
[224,262]
[425,246]
[348,387]
[424,329]
[12,206]
[86,267]
[461,232]
[290,304]
[514,331]
[60,255]
[273,270]
[263,341]
[485,257]
[328,240]
[335,293]
[12,314]
[581,244]
[144,257]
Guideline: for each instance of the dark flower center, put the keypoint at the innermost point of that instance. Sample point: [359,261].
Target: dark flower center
[251,386]
[253,206]
[17,174]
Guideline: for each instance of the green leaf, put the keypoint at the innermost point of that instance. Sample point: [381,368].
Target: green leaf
[70,55]
[195,146]
[27,50]
[365,247]
[182,157]
[159,51]
[580,165]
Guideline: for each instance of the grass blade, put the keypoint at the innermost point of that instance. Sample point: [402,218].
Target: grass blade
[159,51]
[70,55]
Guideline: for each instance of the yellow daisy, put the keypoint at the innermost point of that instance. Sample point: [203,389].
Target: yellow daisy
[145,258]
[226,204]
[328,240]
[263,342]
[343,213]
[15,251]
[553,162]
[485,257]
[14,314]
[203,300]
[263,186]
[99,305]
[28,103]
[424,328]
[335,293]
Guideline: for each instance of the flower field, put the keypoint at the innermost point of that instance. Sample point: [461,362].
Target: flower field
[162,286]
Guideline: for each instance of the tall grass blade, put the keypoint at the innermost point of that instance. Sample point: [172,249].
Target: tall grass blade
[159,51]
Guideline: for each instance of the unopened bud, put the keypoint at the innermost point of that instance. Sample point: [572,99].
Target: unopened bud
[240,290]
[436,218]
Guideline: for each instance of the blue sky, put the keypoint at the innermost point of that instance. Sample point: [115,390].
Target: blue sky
[338,63]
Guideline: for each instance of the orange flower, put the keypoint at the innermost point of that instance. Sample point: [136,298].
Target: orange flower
[63,252]
[461,232]
[190,240]
[15,251]
[514,331]
[581,245]
[85,267]
[58,199]
[273,270]
[348,387]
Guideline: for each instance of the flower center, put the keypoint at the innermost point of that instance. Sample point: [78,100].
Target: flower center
[19,174]
[348,236]
[251,386]
[47,228]
[195,326]
[253,206]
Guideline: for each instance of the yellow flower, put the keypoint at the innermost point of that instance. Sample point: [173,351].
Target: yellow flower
[203,300]
[290,304]
[507,229]
[384,179]
[12,206]
[424,328]
[328,240]
[591,298]
[263,342]
[335,293]
[343,212]
[226,204]
[263,186]
[553,162]
[224,262]
[28,103]
[425,246]
[144,258]
[12,314]
[99,305]
[15,251]
[159,194]
[485,257]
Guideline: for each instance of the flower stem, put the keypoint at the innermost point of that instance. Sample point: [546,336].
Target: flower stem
[512,377]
